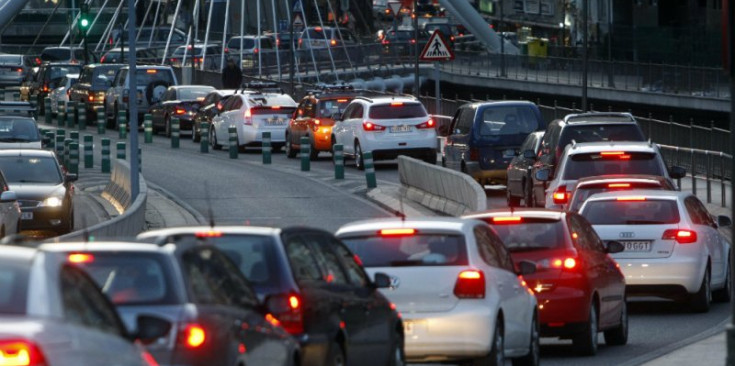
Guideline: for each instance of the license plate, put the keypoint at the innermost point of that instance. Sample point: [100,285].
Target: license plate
[275,121]
[637,246]
[400,128]
[26,215]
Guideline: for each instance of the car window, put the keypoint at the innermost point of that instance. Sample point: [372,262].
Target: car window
[358,111]
[31,169]
[349,111]
[18,130]
[120,78]
[247,43]
[464,121]
[583,234]
[528,143]
[13,286]
[397,110]
[508,120]
[429,249]
[631,212]
[193,93]
[55,54]
[601,163]
[491,249]
[327,259]
[547,141]
[103,76]
[214,279]
[303,265]
[354,270]
[601,132]
[530,234]
[83,303]
[146,76]
[697,212]
[327,108]
[11,60]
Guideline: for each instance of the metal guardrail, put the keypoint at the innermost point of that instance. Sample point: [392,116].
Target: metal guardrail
[709,165]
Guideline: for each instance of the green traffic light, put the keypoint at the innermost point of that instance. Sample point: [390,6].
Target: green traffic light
[84,23]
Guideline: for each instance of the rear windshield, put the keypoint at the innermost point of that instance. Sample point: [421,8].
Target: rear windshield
[409,251]
[247,43]
[400,35]
[58,72]
[531,234]
[13,287]
[56,54]
[270,111]
[404,110]
[606,132]
[30,169]
[581,194]
[11,60]
[648,212]
[133,278]
[319,34]
[103,76]
[18,130]
[508,120]
[144,77]
[193,94]
[327,108]
[587,165]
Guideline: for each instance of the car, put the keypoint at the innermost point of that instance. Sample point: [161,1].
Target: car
[580,289]
[75,324]
[401,42]
[585,127]
[673,248]
[208,108]
[91,89]
[60,95]
[315,118]
[328,43]
[320,293]
[216,317]
[13,69]
[484,137]
[588,159]
[151,37]
[447,29]
[19,132]
[387,127]
[9,210]
[253,112]
[118,55]
[47,79]
[44,190]
[588,186]
[210,61]
[152,81]
[180,101]
[63,54]
[282,39]
[381,11]
[455,285]
[520,182]
[249,47]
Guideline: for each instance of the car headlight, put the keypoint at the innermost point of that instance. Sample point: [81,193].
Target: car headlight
[52,202]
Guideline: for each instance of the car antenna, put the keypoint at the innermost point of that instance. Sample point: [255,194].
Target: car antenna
[210,214]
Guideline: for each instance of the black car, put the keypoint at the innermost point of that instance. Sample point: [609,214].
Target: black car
[209,107]
[179,101]
[217,319]
[45,192]
[520,182]
[93,83]
[315,287]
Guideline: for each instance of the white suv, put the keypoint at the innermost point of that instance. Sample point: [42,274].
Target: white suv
[253,112]
[152,82]
[388,127]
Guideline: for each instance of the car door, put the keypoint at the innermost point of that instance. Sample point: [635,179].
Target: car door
[707,232]
[156,111]
[9,211]
[340,129]
[353,128]
[457,144]
[518,167]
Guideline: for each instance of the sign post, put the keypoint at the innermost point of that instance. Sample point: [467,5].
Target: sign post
[395,8]
[437,49]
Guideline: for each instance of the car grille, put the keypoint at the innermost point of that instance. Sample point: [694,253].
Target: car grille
[28,203]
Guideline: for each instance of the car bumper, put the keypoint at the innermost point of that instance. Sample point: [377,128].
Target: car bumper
[562,311]
[643,276]
[253,135]
[323,139]
[487,176]
[46,219]
[383,143]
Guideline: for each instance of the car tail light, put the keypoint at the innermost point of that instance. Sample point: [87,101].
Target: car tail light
[369,126]
[20,69]
[248,117]
[148,359]
[396,104]
[618,185]
[287,311]
[425,125]
[68,92]
[631,198]
[208,234]
[20,353]
[470,285]
[561,196]
[79,258]
[255,50]
[193,336]
[397,232]
[413,41]
[45,87]
[681,236]
[506,220]
[180,111]
[90,97]
[474,154]
[38,61]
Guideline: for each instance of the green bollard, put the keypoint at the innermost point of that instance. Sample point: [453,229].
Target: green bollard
[61,114]
[71,108]
[67,142]
[367,159]
[88,151]
[105,161]
[101,121]
[204,138]
[175,133]
[305,154]
[60,137]
[148,128]
[232,132]
[122,125]
[82,116]
[74,135]
[339,161]
[47,117]
[120,146]
[74,157]
[266,140]
[50,140]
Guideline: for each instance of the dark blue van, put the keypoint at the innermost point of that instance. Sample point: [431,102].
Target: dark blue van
[484,138]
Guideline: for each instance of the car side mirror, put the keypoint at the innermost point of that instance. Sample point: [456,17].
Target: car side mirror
[382,280]
[677,172]
[722,220]
[10,196]
[543,175]
[149,328]
[614,247]
[526,268]
[70,177]
[529,154]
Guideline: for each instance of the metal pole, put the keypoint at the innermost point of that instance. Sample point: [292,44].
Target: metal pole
[276,31]
[260,46]
[133,107]
[502,43]
[610,74]
[292,55]
[437,89]
[224,37]
[170,33]
[731,68]
[416,79]
[585,55]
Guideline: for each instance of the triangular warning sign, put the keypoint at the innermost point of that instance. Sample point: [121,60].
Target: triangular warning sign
[297,21]
[437,49]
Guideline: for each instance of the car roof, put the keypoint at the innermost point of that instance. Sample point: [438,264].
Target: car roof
[610,178]
[503,103]
[27,152]
[430,224]
[255,230]
[192,87]
[386,99]
[18,253]
[158,67]
[600,118]
[648,193]
[96,65]
[599,146]
[101,246]
[540,213]
[272,98]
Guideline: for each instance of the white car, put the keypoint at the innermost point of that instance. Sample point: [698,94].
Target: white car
[456,287]
[19,132]
[672,246]
[60,95]
[253,112]
[580,160]
[388,127]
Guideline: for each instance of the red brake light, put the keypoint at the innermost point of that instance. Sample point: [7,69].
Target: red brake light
[317,122]
[148,359]
[317,29]
[20,69]
[470,285]
[276,107]
[180,111]
[396,104]
[634,198]
[255,50]
[618,185]
[566,263]
[151,71]
[294,302]
[79,258]
[286,313]
[90,97]
[428,124]
[561,196]
[208,234]
[227,50]
[369,126]
[506,220]
[45,87]
[681,236]
[413,41]
[474,154]
[20,353]
[194,335]
[611,153]
[248,114]
[397,232]
[385,41]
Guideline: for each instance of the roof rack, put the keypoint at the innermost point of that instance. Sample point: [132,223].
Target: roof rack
[599,117]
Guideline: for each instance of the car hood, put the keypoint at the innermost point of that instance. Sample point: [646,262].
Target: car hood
[37,191]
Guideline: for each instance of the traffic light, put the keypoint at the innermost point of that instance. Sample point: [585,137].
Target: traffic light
[84,21]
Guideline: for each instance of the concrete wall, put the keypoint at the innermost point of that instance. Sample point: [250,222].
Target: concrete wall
[439,188]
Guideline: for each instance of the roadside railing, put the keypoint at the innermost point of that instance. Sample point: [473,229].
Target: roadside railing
[711,166]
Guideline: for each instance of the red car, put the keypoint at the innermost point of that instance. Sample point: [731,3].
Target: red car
[579,287]
[588,186]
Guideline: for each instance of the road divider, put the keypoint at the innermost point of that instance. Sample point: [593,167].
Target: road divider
[74,157]
[105,161]
[266,149]
[175,133]
[305,154]
[148,128]
[367,159]
[101,121]
[47,111]
[338,157]
[82,116]
[232,133]
[120,149]
[203,137]
[122,126]
[88,151]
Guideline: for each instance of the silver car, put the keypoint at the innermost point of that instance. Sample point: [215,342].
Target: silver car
[51,311]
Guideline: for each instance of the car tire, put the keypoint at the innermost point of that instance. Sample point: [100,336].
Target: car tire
[725,293]
[496,356]
[397,357]
[618,336]
[700,301]
[335,355]
[533,358]
[528,194]
[359,164]
[585,344]
[512,200]
[290,152]
[213,140]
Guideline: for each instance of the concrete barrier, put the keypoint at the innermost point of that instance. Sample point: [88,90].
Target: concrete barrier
[131,221]
[440,189]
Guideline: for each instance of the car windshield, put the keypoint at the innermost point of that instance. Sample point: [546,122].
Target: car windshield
[587,165]
[247,43]
[409,251]
[147,76]
[193,93]
[581,194]
[600,132]
[56,54]
[531,234]
[103,76]
[58,72]
[132,278]
[397,111]
[508,120]
[11,60]
[18,130]
[30,169]
[634,212]
[13,286]
[327,108]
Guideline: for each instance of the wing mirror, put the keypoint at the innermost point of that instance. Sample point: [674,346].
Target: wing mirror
[614,247]
[10,196]
[677,172]
[526,268]
[382,280]
[149,328]
[543,175]
[722,220]
[529,154]
[70,177]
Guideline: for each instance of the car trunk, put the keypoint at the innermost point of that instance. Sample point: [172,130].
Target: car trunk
[640,241]
[421,289]
[270,118]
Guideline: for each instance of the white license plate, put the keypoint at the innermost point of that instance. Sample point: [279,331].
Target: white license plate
[275,121]
[26,215]
[400,129]
[637,246]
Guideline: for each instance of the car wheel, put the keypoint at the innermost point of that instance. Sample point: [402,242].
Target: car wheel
[585,344]
[527,194]
[534,347]
[397,358]
[359,164]
[213,140]
[290,152]
[335,355]
[618,336]
[700,301]
[496,356]
[724,294]
[512,200]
